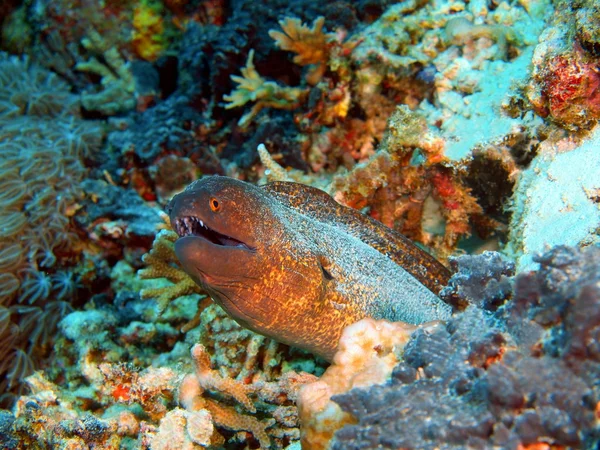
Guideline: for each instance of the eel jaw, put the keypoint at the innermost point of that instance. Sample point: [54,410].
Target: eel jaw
[193,226]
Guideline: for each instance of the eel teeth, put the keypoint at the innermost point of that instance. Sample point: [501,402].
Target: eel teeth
[193,226]
[189,225]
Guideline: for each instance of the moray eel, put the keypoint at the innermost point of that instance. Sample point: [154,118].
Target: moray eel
[287,261]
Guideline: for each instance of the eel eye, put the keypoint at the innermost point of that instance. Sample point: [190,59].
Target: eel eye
[214,204]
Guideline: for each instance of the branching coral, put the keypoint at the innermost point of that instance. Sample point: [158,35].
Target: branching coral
[259,395]
[118,93]
[273,171]
[161,262]
[267,94]
[239,353]
[311,45]
[227,417]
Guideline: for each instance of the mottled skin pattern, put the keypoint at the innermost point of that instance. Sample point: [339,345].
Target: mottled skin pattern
[292,264]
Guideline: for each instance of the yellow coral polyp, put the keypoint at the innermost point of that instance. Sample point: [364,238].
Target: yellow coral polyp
[148,41]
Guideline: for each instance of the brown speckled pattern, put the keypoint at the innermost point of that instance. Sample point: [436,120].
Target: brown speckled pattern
[319,205]
[311,272]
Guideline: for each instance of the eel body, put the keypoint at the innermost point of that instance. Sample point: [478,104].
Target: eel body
[287,261]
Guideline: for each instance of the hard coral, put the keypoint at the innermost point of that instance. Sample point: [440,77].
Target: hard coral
[161,262]
[227,417]
[267,94]
[272,399]
[117,94]
[311,45]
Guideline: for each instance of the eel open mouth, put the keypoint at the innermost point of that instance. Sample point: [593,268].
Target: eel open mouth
[192,226]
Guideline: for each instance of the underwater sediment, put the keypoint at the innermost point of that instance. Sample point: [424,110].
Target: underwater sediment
[468,126]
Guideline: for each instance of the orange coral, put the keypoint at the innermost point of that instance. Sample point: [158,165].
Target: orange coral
[311,45]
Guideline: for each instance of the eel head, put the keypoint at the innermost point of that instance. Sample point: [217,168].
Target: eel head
[216,241]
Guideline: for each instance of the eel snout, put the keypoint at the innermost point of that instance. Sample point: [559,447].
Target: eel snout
[194,226]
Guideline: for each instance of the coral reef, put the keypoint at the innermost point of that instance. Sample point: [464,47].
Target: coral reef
[511,374]
[118,84]
[562,203]
[565,83]
[466,125]
[396,187]
[155,407]
[367,353]
[161,262]
[42,154]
